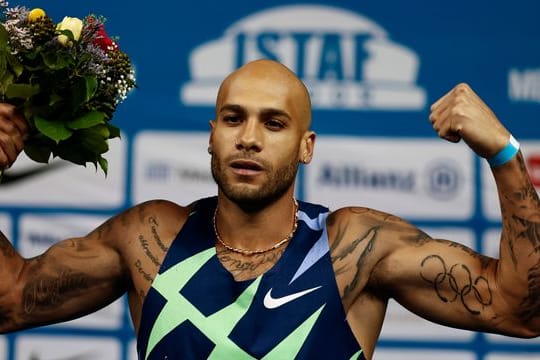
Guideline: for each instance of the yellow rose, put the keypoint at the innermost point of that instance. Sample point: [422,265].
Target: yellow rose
[73,24]
[36,14]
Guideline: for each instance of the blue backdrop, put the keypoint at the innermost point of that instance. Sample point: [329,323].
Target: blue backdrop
[374,68]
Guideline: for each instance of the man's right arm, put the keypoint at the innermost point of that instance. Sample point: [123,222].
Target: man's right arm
[73,278]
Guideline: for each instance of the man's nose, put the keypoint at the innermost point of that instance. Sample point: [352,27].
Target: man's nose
[250,136]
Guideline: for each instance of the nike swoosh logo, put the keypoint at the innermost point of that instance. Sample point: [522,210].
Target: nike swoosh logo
[272,303]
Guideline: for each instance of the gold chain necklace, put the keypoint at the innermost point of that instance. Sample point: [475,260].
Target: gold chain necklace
[257,251]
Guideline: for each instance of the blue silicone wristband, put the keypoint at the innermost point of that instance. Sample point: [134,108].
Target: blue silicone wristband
[506,154]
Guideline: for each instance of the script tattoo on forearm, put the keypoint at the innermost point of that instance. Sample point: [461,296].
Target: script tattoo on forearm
[473,292]
[46,293]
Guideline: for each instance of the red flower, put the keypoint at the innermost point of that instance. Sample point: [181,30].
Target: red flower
[104,41]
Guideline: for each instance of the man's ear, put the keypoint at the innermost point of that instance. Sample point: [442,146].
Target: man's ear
[210,139]
[307,147]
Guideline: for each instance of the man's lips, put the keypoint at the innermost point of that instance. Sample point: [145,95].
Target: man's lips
[246,167]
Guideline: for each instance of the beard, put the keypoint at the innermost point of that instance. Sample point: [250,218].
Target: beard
[278,181]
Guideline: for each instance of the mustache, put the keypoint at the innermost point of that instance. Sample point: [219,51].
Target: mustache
[249,156]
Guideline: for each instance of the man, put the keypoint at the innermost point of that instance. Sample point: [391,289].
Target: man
[255,274]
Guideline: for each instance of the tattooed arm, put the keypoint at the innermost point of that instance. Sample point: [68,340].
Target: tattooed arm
[72,278]
[377,256]
[80,275]
[467,289]
[451,284]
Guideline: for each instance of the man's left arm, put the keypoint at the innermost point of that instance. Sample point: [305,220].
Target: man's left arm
[509,286]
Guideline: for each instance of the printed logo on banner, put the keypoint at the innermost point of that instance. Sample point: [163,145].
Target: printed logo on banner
[66,347]
[524,85]
[162,168]
[424,179]
[443,179]
[347,60]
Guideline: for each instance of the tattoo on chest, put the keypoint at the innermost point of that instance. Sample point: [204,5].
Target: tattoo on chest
[251,265]
[456,283]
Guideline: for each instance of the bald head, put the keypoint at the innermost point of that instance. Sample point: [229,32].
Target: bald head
[271,74]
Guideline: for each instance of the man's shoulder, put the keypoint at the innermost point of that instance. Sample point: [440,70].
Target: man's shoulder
[165,211]
[360,212]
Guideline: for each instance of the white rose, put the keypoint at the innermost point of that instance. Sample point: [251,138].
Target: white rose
[73,24]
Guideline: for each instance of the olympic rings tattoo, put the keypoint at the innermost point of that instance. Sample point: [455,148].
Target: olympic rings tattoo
[460,281]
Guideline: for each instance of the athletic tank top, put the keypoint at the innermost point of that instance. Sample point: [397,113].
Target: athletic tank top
[196,310]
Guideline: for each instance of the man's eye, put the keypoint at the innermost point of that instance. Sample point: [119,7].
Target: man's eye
[231,118]
[274,124]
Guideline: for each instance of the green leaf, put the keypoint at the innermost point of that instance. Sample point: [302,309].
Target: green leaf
[83,90]
[68,33]
[37,152]
[114,132]
[4,38]
[55,130]
[15,65]
[23,91]
[56,60]
[3,63]
[94,139]
[104,164]
[54,99]
[5,81]
[91,83]
[86,121]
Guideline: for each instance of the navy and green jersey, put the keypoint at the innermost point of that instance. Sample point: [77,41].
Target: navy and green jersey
[195,309]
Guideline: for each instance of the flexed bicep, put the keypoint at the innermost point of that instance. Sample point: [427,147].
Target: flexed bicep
[449,283]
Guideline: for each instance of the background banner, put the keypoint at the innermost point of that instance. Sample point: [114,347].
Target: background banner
[373,69]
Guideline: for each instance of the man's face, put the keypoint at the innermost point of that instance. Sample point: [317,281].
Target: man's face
[255,139]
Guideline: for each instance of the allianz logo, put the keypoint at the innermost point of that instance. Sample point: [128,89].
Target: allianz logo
[346,60]
[162,172]
[358,177]
[440,179]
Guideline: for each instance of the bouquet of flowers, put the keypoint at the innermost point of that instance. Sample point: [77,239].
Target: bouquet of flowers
[67,80]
